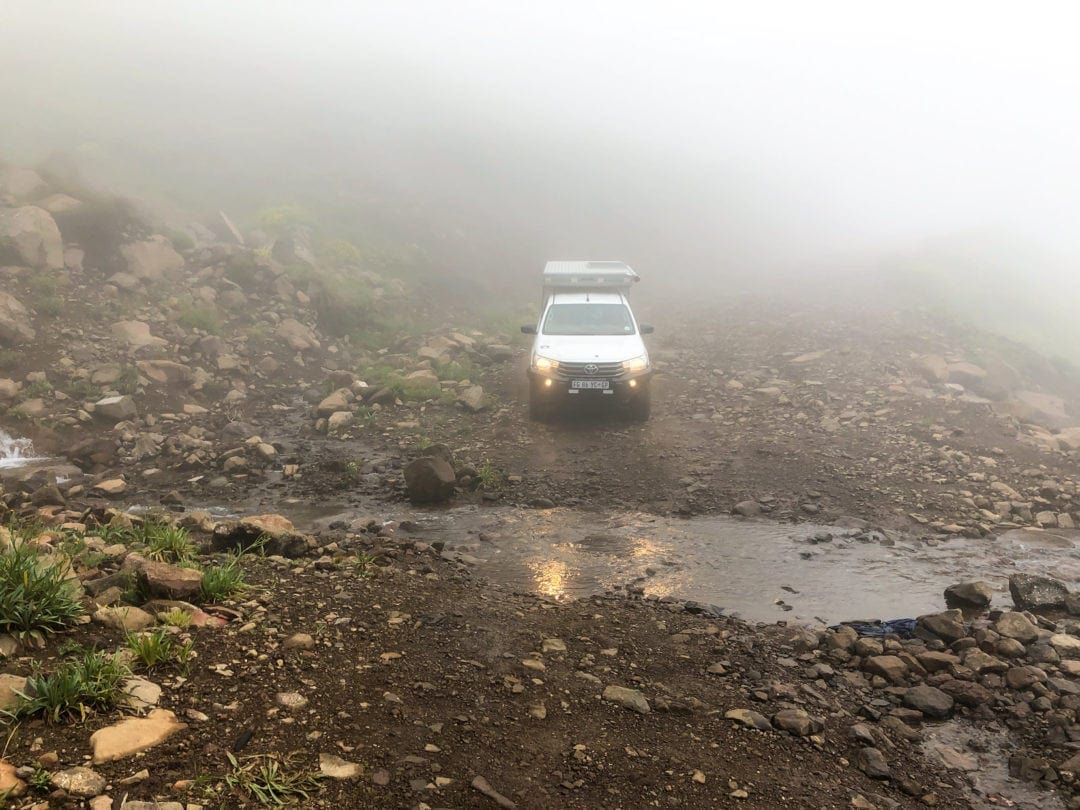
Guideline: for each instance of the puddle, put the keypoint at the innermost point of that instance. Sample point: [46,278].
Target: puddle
[15,453]
[982,755]
[757,570]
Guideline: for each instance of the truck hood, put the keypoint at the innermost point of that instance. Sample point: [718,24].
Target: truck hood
[575,349]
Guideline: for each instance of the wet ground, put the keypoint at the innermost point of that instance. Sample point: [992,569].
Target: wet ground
[757,570]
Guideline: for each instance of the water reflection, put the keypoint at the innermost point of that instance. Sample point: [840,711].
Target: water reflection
[551,578]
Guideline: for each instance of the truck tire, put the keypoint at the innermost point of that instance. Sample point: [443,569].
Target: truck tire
[640,406]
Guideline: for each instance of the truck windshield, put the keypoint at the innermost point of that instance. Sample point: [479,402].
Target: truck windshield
[588,319]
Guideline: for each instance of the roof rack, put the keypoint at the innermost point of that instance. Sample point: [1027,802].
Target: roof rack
[593,275]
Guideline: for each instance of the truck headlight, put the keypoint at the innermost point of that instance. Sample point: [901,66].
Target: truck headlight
[639,363]
[544,363]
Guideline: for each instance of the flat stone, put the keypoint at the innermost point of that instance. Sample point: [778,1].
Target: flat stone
[290,700]
[1066,645]
[165,581]
[929,700]
[81,782]
[969,594]
[337,768]
[133,735]
[797,722]
[628,698]
[1016,625]
[141,694]
[749,718]
[126,618]
[10,685]
[889,667]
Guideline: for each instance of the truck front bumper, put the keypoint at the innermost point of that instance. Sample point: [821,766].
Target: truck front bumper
[555,386]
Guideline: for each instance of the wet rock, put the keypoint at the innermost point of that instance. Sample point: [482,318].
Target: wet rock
[969,594]
[29,237]
[1031,592]
[429,480]
[797,722]
[929,700]
[947,625]
[1016,626]
[81,782]
[628,698]
[872,762]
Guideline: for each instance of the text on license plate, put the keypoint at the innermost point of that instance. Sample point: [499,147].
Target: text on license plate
[604,384]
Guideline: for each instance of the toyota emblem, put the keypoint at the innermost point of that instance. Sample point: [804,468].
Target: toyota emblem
[591,368]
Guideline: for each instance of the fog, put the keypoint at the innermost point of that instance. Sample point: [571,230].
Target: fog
[729,143]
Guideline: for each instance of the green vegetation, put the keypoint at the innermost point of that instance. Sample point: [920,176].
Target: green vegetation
[489,476]
[243,269]
[264,779]
[457,370]
[177,618]
[77,688]
[36,595]
[224,579]
[158,648]
[45,294]
[167,543]
[277,219]
[362,564]
[38,388]
[406,390]
[181,240]
[200,316]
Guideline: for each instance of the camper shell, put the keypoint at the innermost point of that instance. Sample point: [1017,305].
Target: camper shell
[587,343]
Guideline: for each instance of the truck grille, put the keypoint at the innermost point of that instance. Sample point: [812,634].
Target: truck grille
[590,370]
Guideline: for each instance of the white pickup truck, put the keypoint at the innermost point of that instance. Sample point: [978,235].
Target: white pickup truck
[588,343]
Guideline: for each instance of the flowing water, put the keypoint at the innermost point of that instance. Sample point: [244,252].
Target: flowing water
[758,570]
[16,452]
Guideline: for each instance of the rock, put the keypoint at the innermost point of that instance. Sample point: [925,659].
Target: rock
[483,786]
[299,338]
[141,694]
[980,663]
[929,700]
[165,581]
[116,408]
[797,722]
[969,594]
[126,618]
[747,508]
[9,390]
[275,533]
[335,402]
[947,625]
[29,236]
[473,399]
[966,374]
[21,183]
[14,321]
[136,334]
[1066,645]
[290,700]
[81,782]
[627,698]
[932,367]
[109,488]
[872,762]
[298,641]
[889,667]
[1023,677]
[749,718]
[1017,626]
[152,259]
[429,480]
[1047,410]
[133,735]
[167,373]
[60,203]
[339,421]
[337,768]
[1032,592]
[10,687]
[11,786]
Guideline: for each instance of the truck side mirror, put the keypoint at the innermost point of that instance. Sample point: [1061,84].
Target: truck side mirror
[529,329]
[646,329]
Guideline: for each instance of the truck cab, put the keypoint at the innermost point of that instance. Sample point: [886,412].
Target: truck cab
[588,343]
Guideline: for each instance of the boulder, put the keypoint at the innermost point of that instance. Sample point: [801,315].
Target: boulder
[472,399]
[932,367]
[947,625]
[1017,626]
[334,403]
[429,480]
[969,594]
[1032,592]
[14,321]
[797,722]
[116,409]
[298,336]
[889,667]
[276,533]
[968,375]
[29,236]
[152,259]
[165,581]
[1047,410]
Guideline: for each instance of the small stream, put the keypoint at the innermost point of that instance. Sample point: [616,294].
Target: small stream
[16,453]
[757,570]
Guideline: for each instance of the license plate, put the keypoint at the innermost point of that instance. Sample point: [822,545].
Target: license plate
[600,384]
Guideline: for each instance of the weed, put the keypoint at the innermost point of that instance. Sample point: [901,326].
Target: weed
[177,618]
[489,476]
[224,579]
[128,382]
[423,443]
[167,543]
[204,317]
[159,648]
[111,534]
[91,683]
[265,779]
[40,780]
[181,240]
[82,390]
[36,596]
[9,358]
[362,564]
[38,388]
[352,470]
[363,412]
[457,370]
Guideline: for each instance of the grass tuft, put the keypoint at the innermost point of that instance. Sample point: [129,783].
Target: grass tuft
[36,596]
[265,779]
[78,688]
[158,648]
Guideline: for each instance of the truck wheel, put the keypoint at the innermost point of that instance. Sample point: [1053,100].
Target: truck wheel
[641,405]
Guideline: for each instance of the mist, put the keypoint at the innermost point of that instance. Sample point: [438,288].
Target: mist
[718,146]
